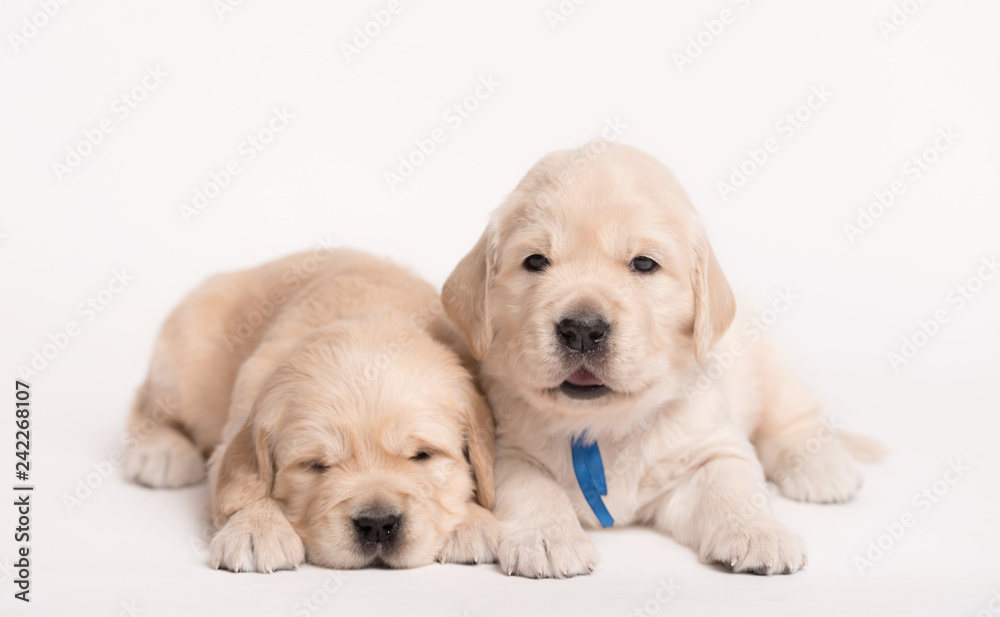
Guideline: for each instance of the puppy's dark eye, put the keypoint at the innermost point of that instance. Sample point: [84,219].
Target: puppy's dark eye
[317,466]
[643,264]
[420,456]
[536,263]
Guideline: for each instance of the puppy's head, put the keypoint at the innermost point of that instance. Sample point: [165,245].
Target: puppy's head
[592,288]
[373,439]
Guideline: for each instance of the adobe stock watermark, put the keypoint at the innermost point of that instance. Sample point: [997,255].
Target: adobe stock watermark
[32,25]
[121,108]
[130,609]
[202,543]
[453,118]
[291,278]
[420,319]
[365,33]
[955,299]
[787,127]
[804,452]
[223,8]
[898,17]
[333,582]
[611,132]
[562,12]
[247,151]
[712,29]
[87,311]
[915,168]
[665,592]
[719,361]
[922,502]
[88,484]
[992,605]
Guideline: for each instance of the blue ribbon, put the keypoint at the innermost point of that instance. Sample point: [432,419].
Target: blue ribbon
[589,470]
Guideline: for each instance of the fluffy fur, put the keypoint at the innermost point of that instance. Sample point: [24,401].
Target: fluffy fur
[322,388]
[685,452]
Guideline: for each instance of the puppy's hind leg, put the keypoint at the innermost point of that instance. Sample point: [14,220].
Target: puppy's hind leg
[160,455]
[179,412]
[799,449]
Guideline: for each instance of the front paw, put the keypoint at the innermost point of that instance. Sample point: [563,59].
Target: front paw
[828,475]
[559,549]
[474,540]
[760,546]
[257,538]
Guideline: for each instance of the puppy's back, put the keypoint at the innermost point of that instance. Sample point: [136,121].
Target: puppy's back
[220,324]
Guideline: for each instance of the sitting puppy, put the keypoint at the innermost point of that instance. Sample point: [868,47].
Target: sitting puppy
[337,406]
[593,301]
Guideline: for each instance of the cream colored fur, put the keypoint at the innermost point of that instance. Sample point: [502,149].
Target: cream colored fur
[311,384]
[685,455]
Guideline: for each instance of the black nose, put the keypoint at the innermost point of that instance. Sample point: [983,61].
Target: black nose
[585,334]
[378,527]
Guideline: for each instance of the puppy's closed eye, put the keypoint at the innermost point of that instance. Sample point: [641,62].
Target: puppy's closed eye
[316,466]
[423,455]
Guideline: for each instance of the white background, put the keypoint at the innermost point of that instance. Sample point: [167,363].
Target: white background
[323,177]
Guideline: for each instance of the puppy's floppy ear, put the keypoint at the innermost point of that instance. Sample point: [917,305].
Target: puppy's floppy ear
[714,304]
[479,441]
[465,294]
[246,471]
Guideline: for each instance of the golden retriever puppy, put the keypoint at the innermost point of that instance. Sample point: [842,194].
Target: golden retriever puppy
[594,303]
[335,405]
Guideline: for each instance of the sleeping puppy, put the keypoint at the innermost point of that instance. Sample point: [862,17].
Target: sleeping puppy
[594,302]
[338,412]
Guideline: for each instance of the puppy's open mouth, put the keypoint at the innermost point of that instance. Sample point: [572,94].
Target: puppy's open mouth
[582,384]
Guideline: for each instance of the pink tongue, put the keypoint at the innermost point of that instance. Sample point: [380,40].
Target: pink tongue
[583,377]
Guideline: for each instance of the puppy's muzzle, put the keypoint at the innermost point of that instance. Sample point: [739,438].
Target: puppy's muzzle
[377,526]
[584,333]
